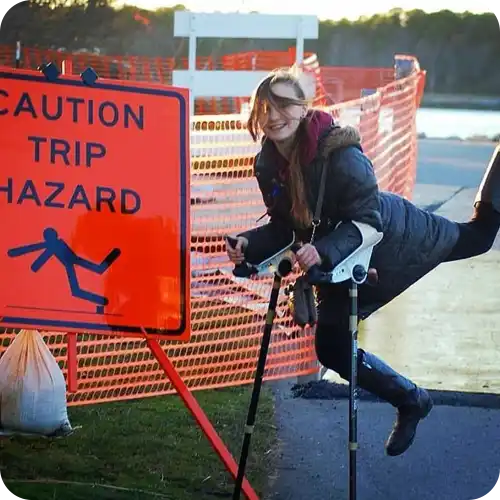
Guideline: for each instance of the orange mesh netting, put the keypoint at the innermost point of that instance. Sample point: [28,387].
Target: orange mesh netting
[227,312]
[337,84]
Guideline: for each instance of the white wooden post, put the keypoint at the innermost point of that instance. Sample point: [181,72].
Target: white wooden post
[299,50]
[192,61]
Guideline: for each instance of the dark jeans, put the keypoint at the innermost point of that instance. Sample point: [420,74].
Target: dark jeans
[333,340]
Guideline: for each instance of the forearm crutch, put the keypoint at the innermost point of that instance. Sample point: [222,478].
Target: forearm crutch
[355,269]
[281,264]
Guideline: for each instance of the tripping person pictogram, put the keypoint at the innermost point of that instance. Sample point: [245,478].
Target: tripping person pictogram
[53,246]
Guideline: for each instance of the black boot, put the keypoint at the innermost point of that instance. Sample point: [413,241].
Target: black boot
[489,190]
[413,403]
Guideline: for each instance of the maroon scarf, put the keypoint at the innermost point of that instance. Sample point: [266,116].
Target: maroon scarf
[317,122]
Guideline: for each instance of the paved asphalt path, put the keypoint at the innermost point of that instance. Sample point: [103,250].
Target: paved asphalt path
[456,455]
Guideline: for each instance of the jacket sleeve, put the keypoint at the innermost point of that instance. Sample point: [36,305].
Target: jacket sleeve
[359,201]
[265,241]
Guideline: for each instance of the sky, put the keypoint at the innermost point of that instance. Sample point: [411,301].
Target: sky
[324,9]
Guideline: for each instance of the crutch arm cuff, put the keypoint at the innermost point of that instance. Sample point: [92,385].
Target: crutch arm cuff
[355,253]
[337,245]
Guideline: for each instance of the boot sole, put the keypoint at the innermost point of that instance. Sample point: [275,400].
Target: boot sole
[426,410]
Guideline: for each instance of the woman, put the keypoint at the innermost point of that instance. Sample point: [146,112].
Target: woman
[296,142]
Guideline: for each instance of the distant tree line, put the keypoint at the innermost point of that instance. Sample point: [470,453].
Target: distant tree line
[459,51]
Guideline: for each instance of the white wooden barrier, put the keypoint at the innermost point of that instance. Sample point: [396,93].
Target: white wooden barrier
[217,25]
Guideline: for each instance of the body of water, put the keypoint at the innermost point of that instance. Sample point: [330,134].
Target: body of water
[462,123]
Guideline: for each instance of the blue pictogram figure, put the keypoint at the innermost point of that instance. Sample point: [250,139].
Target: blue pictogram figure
[53,246]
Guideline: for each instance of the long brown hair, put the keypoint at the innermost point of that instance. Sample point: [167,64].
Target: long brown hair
[263,97]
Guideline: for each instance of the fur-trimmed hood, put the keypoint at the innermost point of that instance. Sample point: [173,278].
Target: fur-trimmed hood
[324,136]
[339,137]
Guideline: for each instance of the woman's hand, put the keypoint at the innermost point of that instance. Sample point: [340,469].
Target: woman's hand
[236,255]
[308,256]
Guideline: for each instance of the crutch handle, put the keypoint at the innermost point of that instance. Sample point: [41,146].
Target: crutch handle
[243,270]
[282,262]
[316,276]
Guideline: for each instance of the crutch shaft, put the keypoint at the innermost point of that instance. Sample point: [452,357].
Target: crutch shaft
[259,375]
[353,399]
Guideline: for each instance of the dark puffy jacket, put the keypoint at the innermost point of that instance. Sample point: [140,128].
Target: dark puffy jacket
[414,242]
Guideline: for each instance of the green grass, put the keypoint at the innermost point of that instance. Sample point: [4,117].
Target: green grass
[143,449]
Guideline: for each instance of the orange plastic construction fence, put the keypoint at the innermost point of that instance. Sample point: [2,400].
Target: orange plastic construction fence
[227,312]
[339,84]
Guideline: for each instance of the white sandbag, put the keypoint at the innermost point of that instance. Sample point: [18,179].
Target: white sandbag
[32,389]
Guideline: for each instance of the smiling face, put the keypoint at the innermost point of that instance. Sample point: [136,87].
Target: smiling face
[277,108]
[281,117]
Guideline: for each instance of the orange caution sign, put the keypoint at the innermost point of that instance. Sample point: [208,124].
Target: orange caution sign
[94,206]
